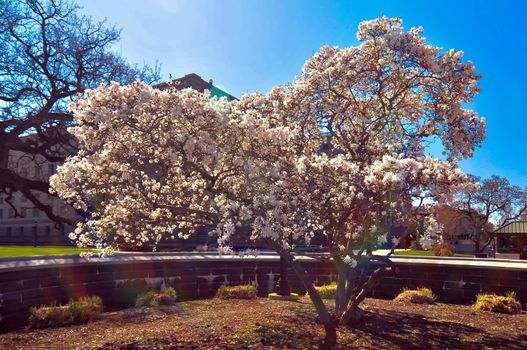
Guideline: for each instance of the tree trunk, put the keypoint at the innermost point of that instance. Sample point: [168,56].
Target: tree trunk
[283,287]
[354,313]
[331,336]
[490,240]
[355,316]
[330,322]
[340,299]
[476,242]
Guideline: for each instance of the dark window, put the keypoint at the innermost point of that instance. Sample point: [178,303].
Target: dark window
[508,244]
[24,171]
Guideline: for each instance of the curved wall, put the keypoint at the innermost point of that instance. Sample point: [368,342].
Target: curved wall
[27,282]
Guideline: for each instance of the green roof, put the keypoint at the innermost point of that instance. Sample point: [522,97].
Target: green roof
[217,92]
[517,227]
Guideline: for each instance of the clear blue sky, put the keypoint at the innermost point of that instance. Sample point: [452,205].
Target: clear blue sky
[248,45]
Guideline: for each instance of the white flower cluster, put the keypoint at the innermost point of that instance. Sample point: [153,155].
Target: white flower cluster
[340,153]
[432,233]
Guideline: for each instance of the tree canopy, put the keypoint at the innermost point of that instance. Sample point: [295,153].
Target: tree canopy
[488,206]
[340,152]
[49,55]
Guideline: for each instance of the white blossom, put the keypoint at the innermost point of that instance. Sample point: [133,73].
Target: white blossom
[340,152]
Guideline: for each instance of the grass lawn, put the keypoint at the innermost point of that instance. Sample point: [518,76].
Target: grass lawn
[426,253]
[16,250]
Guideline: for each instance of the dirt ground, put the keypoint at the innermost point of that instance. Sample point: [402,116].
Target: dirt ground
[272,324]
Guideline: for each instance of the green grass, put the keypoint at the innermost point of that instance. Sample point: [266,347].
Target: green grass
[15,250]
[426,253]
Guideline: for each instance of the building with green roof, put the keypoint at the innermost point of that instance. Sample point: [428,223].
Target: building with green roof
[195,82]
[511,241]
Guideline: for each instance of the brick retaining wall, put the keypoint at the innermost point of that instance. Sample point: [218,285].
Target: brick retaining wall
[26,282]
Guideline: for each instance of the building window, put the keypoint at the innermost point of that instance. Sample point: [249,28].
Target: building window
[48,231]
[36,212]
[21,230]
[24,172]
[11,213]
[37,172]
[9,231]
[51,169]
[1,213]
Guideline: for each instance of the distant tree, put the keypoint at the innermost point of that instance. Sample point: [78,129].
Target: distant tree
[48,55]
[489,206]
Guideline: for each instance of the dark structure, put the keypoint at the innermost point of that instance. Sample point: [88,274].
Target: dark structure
[27,282]
[511,240]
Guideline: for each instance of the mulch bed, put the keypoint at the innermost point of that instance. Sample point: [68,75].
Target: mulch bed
[274,324]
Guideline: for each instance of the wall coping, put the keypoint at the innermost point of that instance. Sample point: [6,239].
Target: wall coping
[53,261]
[463,262]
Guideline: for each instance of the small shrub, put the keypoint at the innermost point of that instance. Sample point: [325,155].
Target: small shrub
[498,303]
[328,291]
[443,249]
[245,291]
[166,297]
[146,299]
[129,291]
[152,298]
[416,296]
[85,309]
[82,310]
[49,316]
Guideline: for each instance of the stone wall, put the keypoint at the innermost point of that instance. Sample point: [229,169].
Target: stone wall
[27,282]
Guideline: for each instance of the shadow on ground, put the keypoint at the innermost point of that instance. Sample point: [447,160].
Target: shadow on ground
[410,331]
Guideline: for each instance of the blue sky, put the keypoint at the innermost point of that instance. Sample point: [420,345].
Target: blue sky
[249,45]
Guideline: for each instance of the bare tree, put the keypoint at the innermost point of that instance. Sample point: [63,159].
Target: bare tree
[490,207]
[49,54]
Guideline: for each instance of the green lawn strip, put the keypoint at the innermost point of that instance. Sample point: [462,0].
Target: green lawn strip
[426,253]
[12,251]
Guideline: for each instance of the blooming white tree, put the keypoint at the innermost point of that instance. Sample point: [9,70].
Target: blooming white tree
[340,152]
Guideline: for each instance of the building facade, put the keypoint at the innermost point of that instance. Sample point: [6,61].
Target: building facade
[20,221]
[459,231]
